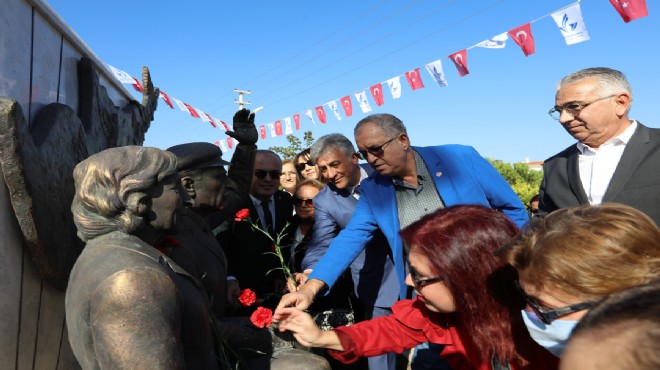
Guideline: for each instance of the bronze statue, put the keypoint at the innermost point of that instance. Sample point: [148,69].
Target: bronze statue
[215,196]
[128,305]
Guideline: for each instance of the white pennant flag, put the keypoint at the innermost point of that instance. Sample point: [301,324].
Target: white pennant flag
[333,106]
[395,87]
[203,115]
[571,25]
[309,115]
[497,42]
[435,70]
[271,126]
[361,97]
[181,105]
[122,76]
[223,146]
[287,126]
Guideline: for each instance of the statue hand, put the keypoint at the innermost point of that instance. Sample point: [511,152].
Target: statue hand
[244,129]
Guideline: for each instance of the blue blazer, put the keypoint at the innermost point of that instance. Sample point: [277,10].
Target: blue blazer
[373,273]
[461,176]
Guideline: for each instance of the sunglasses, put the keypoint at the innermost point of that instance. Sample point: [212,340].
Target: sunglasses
[303,202]
[547,316]
[301,166]
[421,282]
[261,174]
[376,151]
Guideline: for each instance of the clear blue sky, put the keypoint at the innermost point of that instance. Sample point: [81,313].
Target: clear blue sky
[295,55]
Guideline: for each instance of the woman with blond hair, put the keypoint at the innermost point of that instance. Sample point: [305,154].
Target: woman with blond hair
[574,257]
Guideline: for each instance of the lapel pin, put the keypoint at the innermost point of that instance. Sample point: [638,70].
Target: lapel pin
[438,174]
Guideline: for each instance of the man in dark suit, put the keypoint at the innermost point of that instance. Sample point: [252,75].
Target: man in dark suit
[248,250]
[615,160]
[372,271]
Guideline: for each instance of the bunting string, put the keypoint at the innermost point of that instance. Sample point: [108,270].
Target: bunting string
[568,19]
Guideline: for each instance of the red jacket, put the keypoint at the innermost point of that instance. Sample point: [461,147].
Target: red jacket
[410,324]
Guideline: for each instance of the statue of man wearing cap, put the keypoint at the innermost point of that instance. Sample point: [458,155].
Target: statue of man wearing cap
[215,195]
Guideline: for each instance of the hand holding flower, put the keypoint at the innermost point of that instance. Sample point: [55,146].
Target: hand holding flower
[304,329]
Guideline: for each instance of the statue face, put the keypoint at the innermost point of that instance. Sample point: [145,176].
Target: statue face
[166,200]
[210,188]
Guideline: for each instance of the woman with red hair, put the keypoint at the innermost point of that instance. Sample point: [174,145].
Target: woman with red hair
[466,300]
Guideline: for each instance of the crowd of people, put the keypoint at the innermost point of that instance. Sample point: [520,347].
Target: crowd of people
[420,258]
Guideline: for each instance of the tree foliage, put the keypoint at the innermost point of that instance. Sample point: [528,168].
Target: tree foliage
[524,181]
[295,145]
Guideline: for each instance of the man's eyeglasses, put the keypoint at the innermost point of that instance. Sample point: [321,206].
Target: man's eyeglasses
[303,202]
[302,165]
[261,174]
[573,108]
[419,281]
[547,316]
[376,151]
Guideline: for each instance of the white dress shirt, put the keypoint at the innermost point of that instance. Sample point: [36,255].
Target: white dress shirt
[597,166]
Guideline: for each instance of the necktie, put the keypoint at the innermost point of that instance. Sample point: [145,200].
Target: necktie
[268,217]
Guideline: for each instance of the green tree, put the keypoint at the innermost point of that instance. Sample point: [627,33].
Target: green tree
[524,181]
[295,145]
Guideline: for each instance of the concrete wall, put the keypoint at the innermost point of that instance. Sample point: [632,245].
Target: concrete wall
[38,66]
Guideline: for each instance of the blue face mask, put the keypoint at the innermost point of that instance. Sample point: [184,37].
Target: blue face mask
[552,337]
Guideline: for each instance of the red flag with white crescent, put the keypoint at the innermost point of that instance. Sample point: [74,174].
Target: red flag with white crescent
[278,127]
[460,61]
[347,104]
[166,99]
[210,120]
[296,119]
[262,131]
[523,37]
[137,85]
[414,79]
[226,127]
[630,10]
[377,92]
[321,113]
[191,110]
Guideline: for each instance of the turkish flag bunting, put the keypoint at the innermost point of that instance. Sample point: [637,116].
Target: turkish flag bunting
[210,120]
[523,37]
[278,127]
[137,85]
[377,91]
[630,10]
[222,145]
[460,61]
[262,131]
[347,104]
[192,111]
[414,79]
[321,113]
[230,143]
[296,119]
[217,143]
[223,124]
[166,99]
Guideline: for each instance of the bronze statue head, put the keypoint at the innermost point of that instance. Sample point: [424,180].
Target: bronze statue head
[112,188]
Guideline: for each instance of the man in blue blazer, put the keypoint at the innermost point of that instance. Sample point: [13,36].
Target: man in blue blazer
[410,182]
[373,273]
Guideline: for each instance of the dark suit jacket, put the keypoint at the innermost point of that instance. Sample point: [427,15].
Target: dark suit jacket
[248,250]
[373,273]
[636,180]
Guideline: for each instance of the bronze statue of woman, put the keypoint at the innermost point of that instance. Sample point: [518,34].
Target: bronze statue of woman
[128,305]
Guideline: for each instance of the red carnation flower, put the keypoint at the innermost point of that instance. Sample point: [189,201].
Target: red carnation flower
[262,317]
[247,297]
[242,214]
